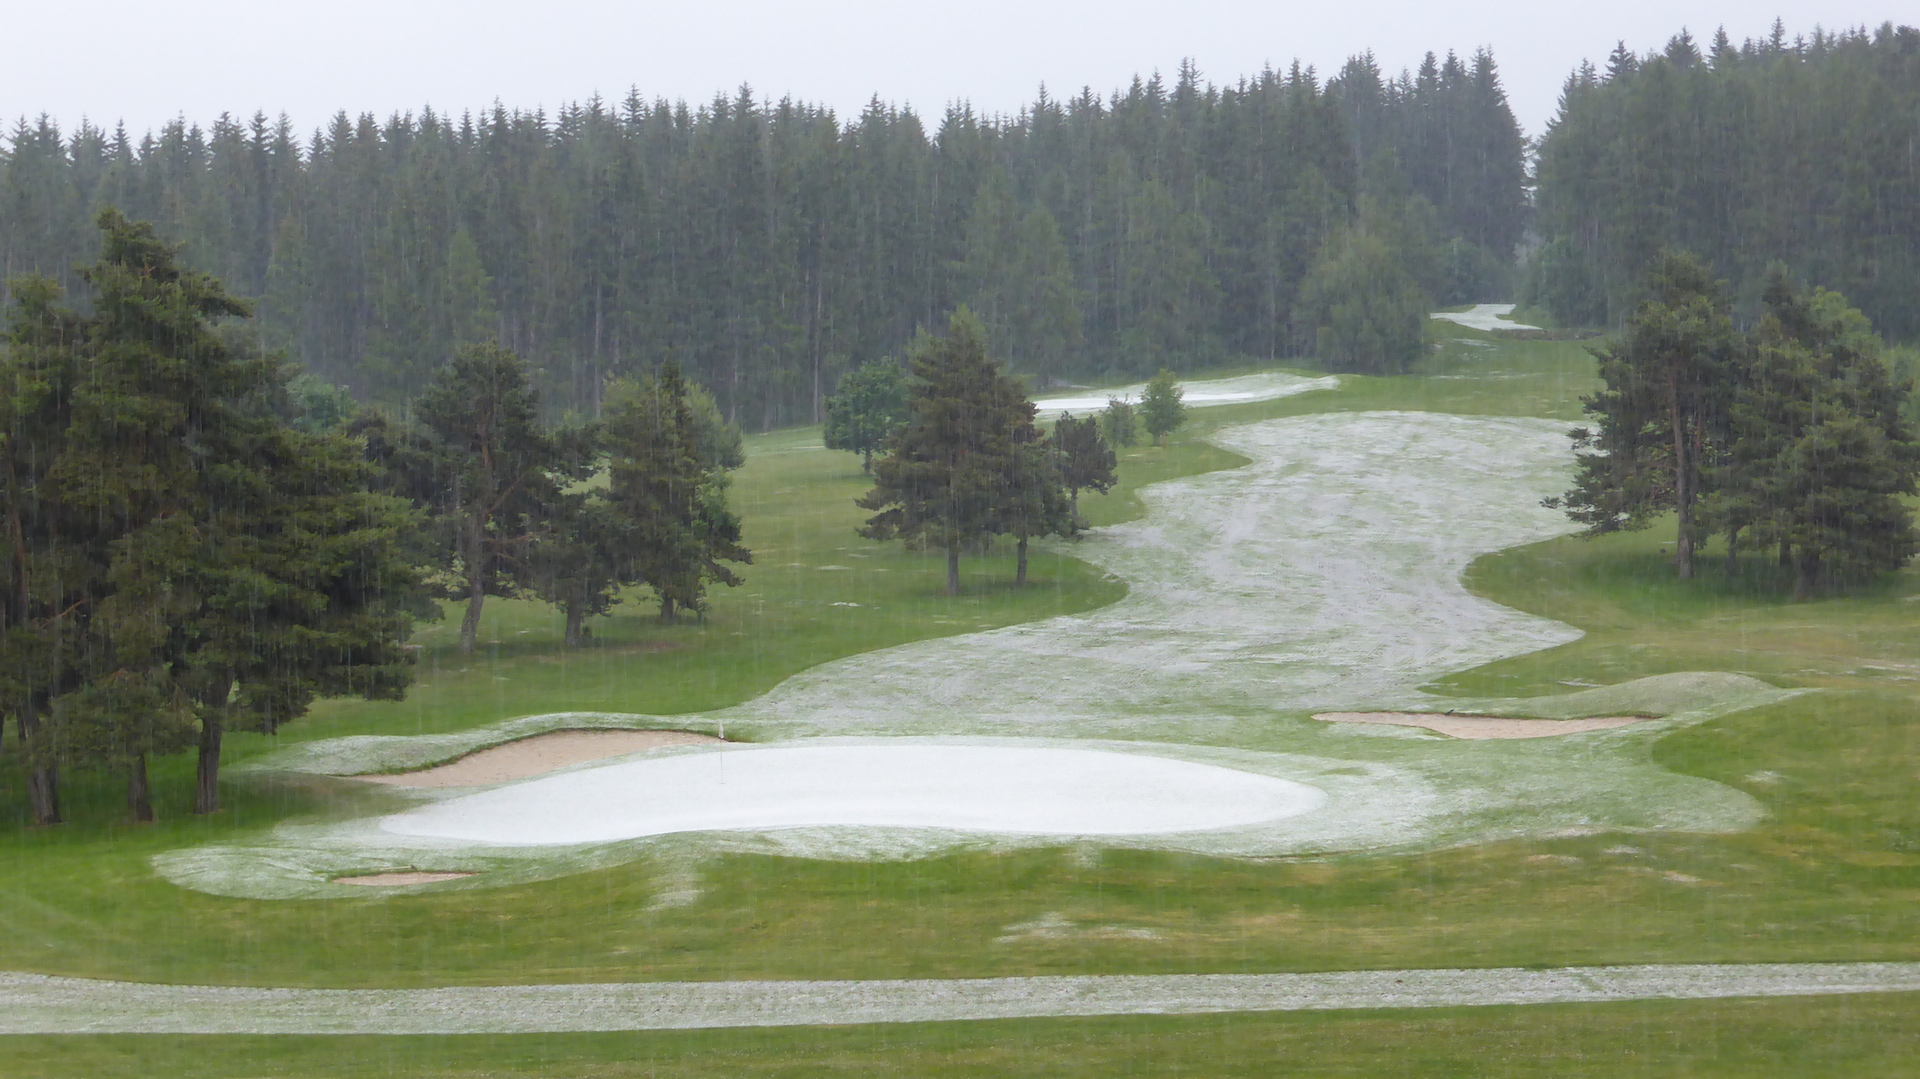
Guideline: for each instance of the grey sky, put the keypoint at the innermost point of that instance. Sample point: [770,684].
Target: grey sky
[145,62]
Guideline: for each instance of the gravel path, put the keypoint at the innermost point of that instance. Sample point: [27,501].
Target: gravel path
[34,1004]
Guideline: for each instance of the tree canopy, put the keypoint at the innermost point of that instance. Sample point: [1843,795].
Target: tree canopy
[968,464]
[1794,434]
[184,561]
[1795,149]
[769,246]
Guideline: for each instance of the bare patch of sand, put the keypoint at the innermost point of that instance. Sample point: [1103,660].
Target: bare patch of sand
[1477,727]
[538,755]
[394,880]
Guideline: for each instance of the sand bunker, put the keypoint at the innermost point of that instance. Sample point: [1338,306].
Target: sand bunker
[394,880]
[969,788]
[538,755]
[1484,316]
[1483,726]
[1196,394]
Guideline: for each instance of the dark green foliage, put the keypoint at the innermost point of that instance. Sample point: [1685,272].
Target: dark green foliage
[1161,410]
[870,405]
[667,480]
[1017,276]
[1792,437]
[1662,409]
[582,556]
[1819,452]
[1794,149]
[1561,280]
[182,561]
[1361,309]
[1084,459]
[492,474]
[1449,127]
[967,465]
[758,243]
[314,404]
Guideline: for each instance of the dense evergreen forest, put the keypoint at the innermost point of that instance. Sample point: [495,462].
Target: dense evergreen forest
[768,247]
[1804,150]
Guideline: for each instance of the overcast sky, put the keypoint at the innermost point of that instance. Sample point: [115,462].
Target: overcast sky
[146,62]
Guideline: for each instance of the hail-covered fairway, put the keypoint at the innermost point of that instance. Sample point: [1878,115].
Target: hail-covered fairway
[1375,546]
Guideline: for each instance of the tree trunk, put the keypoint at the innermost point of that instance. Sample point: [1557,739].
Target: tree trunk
[470,625]
[666,608]
[1733,551]
[866,462]
[43,792]
[139,794]
[206,790]
[1806,573]
[1786,554]
[576,614]
[43,780]
[953,567]
[1020,565]
[1682,484]
[476,587]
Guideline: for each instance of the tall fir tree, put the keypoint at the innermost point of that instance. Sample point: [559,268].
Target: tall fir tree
[945,480]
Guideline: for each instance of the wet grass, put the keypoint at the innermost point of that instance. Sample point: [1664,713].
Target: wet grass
[1806,1038]
[1640,619]
[1832,874]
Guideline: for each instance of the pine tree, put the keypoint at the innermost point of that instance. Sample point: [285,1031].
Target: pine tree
[1084,459]
[1820,453]
[582,556]
[181,555]
[494,472]
[667,480]
[944,480]
[1663,405]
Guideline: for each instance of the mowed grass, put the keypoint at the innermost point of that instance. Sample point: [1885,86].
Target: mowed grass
[1832,874]
[1806,1038]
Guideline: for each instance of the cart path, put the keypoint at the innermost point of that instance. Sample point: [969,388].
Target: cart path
[37,1004]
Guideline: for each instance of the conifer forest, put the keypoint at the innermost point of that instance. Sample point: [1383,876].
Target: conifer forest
[768,247]
[1289,565]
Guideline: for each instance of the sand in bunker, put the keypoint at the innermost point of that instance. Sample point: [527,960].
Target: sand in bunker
[1476,727]
[537,756]
[972,788]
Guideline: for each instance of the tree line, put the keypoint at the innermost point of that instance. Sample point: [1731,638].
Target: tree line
[202,540]
[1790,438]
[1800,150]
[768,247]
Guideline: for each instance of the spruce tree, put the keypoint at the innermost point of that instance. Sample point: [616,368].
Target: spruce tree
[1085,459]
[1820,454]
[667,479]
[946,478]
[1661,410]
[182,556]
[494,473]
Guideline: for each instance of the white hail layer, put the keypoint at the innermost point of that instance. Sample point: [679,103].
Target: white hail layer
[36,1004]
